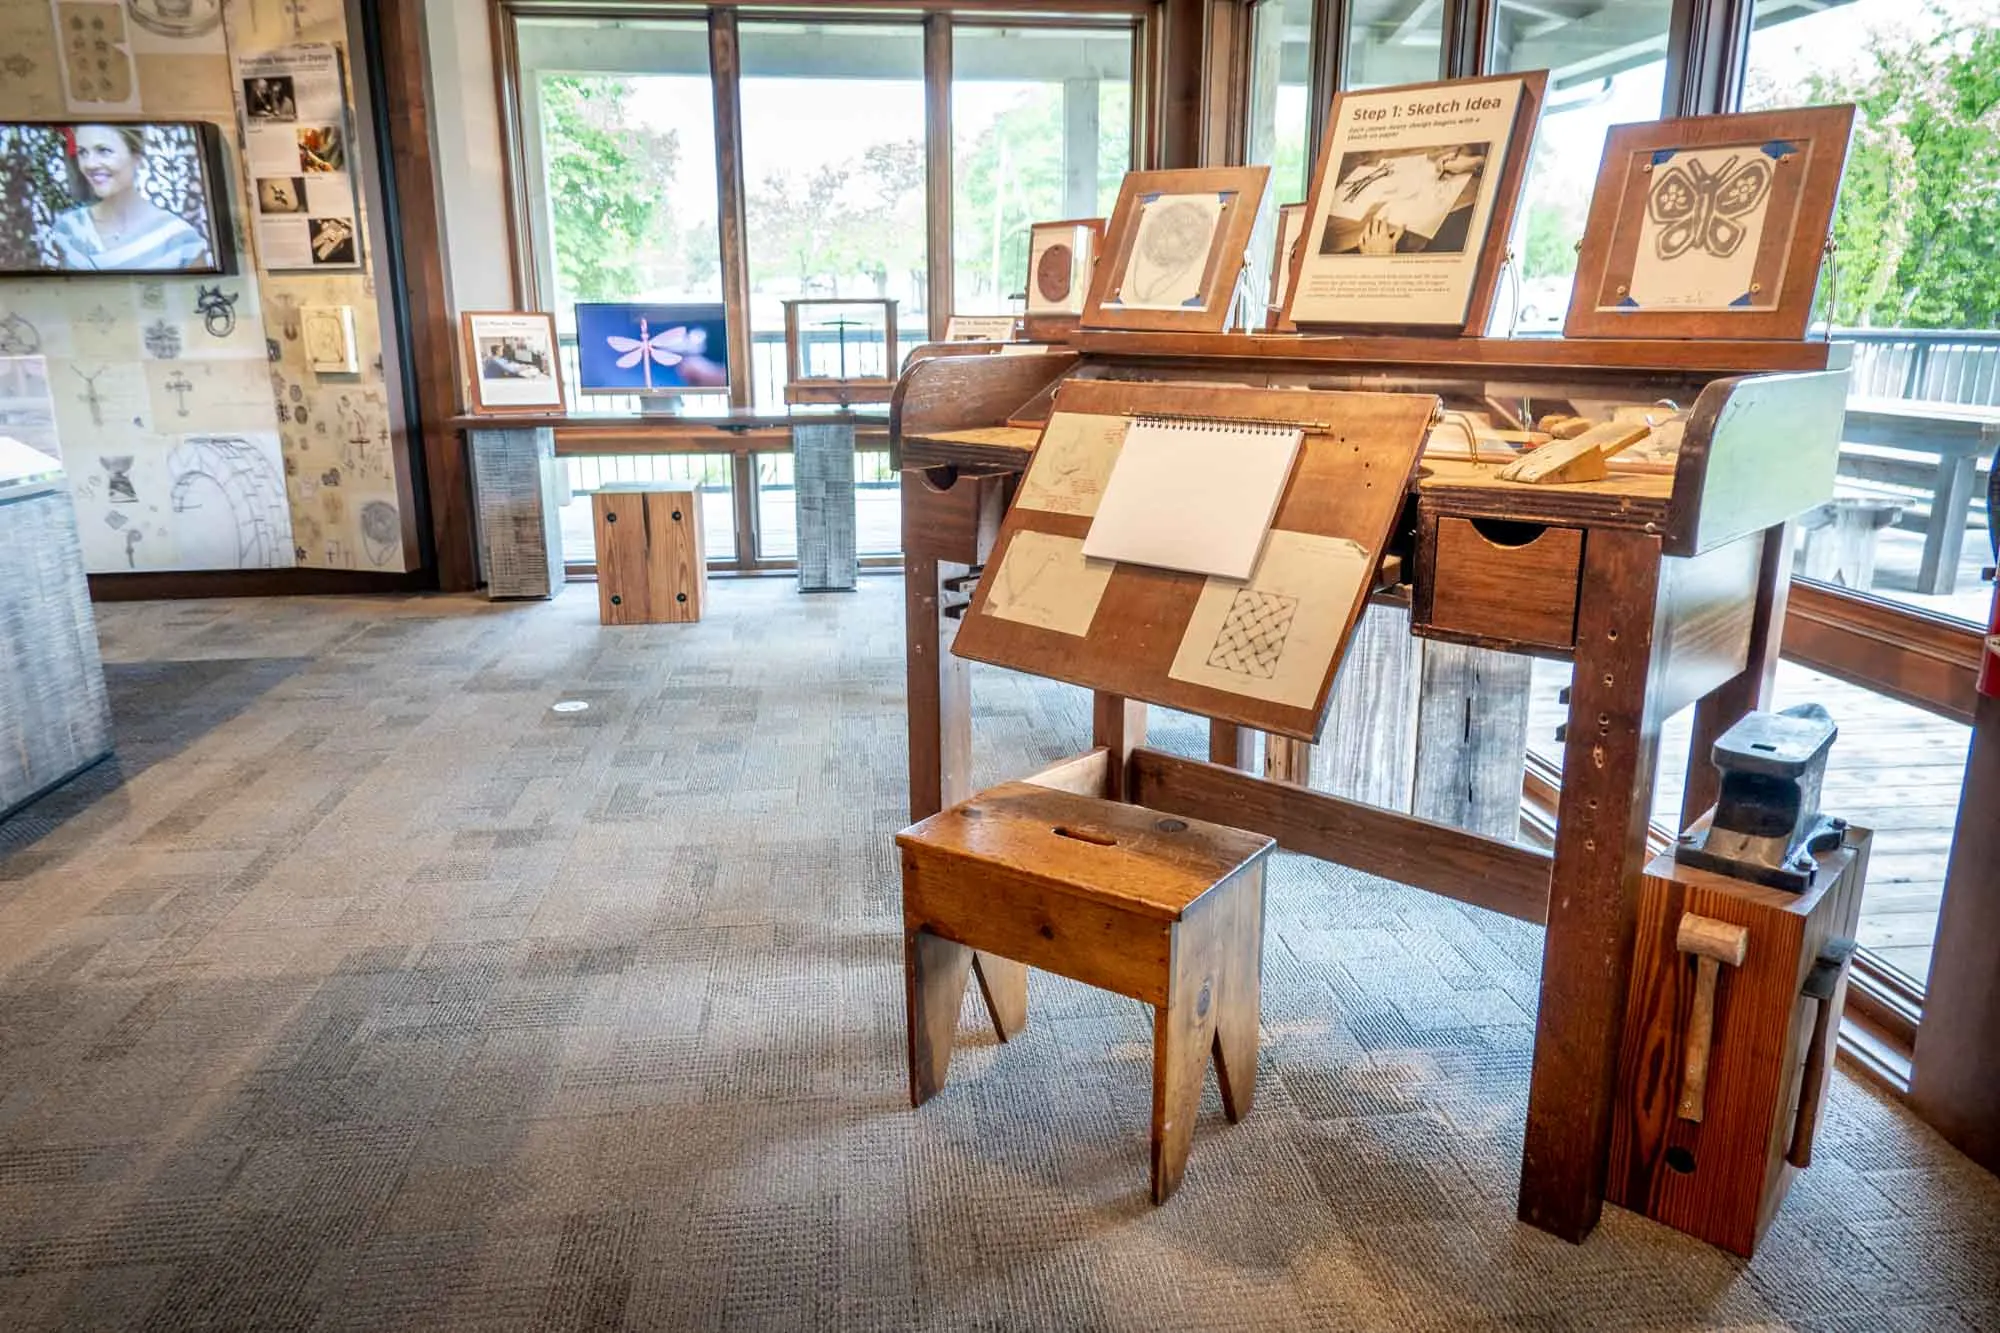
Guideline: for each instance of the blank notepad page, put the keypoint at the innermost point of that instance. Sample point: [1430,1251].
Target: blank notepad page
[1195,496]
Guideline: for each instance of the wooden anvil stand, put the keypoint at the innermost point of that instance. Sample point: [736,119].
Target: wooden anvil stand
[1662,590]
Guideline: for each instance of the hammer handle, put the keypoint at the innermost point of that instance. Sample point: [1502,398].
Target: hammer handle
[1701,1028]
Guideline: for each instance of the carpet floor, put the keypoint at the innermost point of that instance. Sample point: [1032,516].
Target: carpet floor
[366,991]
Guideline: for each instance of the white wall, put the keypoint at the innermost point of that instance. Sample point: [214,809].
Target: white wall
[465,127]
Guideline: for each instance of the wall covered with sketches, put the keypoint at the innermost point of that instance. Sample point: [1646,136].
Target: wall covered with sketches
[194,430]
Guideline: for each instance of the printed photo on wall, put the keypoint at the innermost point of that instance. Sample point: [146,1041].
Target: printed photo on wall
[511,357]
[270,100]
[1411,204]
[295,146]
[281,194]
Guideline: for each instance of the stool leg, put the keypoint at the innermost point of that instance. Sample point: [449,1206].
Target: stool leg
[1241,1000]
[1183,1032]
[934,971]
[1004,984]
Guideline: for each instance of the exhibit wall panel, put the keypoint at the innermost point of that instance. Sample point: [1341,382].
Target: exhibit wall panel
[197,436]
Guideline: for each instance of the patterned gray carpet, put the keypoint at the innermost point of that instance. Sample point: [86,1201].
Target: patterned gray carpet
[368,993]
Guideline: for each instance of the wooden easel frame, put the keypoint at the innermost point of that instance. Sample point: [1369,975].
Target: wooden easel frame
[1226,251]
[1789,252]
[1354,466]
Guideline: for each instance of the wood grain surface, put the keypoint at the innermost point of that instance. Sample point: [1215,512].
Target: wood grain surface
[1349,482]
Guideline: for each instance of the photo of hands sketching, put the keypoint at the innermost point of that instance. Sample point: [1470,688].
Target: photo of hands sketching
[1407,201]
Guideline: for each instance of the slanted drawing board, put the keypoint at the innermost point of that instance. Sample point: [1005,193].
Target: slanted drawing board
[1260,652]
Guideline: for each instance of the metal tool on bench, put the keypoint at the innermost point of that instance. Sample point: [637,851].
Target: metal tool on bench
[1767,822]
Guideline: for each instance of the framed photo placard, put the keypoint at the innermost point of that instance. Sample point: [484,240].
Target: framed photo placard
[1175,249]
[1710,226]
[1411,204]
[511,361]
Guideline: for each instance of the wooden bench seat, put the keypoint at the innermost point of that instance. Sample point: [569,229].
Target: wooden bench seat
[1163,909]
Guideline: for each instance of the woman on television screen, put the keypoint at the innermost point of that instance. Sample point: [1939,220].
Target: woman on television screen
[114,225]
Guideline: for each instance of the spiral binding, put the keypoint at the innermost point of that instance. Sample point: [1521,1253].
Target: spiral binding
[1224,425]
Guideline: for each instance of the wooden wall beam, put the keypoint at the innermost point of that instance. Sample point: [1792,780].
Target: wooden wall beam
[732,227]
[1183,27]
[420,299]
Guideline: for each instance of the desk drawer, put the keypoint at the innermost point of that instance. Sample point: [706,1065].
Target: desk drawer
[1499,581]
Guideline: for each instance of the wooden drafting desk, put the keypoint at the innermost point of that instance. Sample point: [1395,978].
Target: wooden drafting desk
[1663,591]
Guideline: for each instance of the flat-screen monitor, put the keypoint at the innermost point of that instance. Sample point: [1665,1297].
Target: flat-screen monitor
[113,197]
[652,349]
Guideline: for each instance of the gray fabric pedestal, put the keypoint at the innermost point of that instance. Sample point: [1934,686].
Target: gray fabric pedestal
[823,475]
[517,491]
[55,718]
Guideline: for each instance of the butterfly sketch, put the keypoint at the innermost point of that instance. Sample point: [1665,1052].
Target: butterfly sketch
[1700,209]
[666,348]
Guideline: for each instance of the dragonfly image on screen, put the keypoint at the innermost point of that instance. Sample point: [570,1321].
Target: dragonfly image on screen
[651,349]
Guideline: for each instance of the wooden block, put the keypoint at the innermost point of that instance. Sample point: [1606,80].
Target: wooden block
[651,568]
[1723,1176]
[1577,458]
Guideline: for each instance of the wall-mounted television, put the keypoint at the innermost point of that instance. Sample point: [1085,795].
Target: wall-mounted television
[113,197]
[652,349]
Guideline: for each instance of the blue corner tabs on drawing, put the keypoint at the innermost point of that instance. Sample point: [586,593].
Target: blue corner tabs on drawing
[1662,156]
[1627,303]
[1778,148]
[1743,300]
[1192,303]
[1151,197]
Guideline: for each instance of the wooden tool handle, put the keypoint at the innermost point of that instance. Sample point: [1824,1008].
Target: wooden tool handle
[1701,1029]
[1812,1088]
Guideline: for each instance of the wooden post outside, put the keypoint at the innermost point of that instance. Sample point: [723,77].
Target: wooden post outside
[732,226]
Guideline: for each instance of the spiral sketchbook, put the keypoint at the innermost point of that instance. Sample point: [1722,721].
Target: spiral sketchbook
[1194,496]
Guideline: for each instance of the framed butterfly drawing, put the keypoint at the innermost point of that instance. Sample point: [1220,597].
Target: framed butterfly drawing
[1710,226]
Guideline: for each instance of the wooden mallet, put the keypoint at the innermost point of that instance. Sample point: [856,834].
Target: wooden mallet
[1713,943]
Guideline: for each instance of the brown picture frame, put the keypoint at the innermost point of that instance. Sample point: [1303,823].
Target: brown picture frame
[1499,221]
[476,402]
[1043,326]
[1806,148]
[1227,248]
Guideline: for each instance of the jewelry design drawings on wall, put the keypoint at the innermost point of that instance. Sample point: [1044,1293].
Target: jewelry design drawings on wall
[92,397]
[182,19]
[179,386]
[18,337]
[217,310]
[1697,208]
[163,340]
[1253,634]
[118,488]
[234,478]
[380,531]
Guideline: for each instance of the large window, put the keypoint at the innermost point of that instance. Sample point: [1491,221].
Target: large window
[1393,41]
[1041,130]
[1606,67]
[622,151]
[1914,287]
[833,170]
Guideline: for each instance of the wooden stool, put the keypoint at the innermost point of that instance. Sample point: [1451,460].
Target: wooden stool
[1163,909]
[651,567]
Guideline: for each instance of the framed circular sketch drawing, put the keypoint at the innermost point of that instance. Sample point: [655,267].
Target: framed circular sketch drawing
[1052,273]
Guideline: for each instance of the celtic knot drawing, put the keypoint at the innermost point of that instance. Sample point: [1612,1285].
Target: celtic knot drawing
[1253,634]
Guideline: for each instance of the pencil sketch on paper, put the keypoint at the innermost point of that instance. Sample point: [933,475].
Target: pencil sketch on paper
[1706,212]
[1046,581]
[1073,463]
[381,533]
[1252,638]
[1170,252]
[237,485]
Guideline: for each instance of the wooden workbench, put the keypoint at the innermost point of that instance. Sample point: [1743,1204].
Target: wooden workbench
[1664,591]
